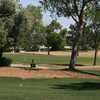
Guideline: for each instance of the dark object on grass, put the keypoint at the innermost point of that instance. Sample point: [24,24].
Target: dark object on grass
[5,61]
[33,65]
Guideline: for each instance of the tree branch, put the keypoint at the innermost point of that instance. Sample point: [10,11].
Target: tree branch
[88,1]
[74,18]
[82,8]
[76,8]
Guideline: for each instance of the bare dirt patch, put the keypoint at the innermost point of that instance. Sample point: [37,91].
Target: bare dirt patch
[42,73]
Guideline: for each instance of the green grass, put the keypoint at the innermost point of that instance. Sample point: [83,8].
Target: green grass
[49,89]
[45,59]
[91,72]
[39,59]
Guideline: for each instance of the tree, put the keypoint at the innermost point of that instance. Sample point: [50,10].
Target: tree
[55,41]
[86,42]
[95,29]
[7,9]
[85,38]
[38,37]
[63,33]
[74,9]
[51,29]
[3,38]
[95,38]
[26,23]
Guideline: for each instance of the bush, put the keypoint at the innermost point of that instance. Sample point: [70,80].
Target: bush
[5,61]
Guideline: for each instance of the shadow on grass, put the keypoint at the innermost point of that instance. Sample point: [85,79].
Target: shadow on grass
[5,62]
[89,72]
[86,72]
[30,68]
[68,64]
[79,86]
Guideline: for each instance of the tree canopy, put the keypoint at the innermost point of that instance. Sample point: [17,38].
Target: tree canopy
[75,9]
[7,10]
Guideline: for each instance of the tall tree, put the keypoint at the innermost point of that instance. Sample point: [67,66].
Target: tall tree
[74,9]
[7,9]
[26,23]
[96,28]
[3,37]
[53,27]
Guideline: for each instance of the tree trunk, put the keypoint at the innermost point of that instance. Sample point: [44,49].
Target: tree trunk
[1,52]
[95,56]
[96,48]
[74,53]
[78,51]
[48,51]
[76,38]
[73,57]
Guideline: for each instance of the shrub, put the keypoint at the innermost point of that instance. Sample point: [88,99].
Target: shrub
[5,61]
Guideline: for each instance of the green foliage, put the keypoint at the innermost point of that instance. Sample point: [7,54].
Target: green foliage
[53,38]
[5,61]
[27,22]
[74,9]
[7,8]
[3,35]
[67,8]
[85,42]
[55,41]
[38,39]
[64,32]
[53,26]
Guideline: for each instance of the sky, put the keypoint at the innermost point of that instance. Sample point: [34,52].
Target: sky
[65,22]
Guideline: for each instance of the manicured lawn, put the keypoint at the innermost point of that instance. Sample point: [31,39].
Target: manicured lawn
[40,59]
[45,59]
[91,72]
[49,89]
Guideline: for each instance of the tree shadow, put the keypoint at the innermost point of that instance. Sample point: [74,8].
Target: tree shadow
[79,86]
[89,72]
[5,62]
[86,72]
[68,64]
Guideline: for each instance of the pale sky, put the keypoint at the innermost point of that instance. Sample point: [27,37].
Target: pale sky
[65,22]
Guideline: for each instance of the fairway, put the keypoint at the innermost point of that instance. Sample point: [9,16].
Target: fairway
[51,59]
[49,89]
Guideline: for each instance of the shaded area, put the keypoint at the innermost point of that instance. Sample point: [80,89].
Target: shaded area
[79,86]
[86,72]
[89,72]
[5,61]
[68,64]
